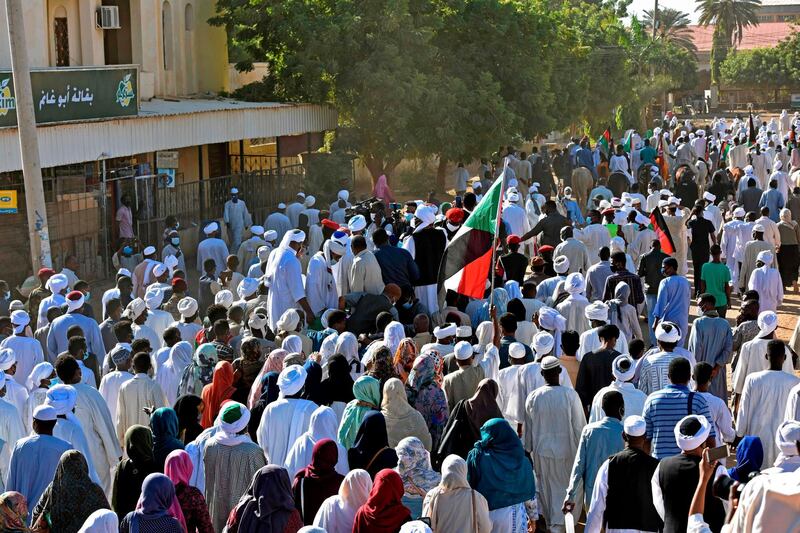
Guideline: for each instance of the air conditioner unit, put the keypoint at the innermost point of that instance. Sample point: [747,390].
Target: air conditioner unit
[108,18]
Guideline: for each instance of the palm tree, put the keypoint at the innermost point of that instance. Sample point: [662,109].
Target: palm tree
[730,18]
[672,25]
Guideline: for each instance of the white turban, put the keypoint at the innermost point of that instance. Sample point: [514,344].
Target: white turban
[444,331]
[281,205]
[787,436]
[257,230]
[415,526]
[292,344]
[708,196]
[543,343]
[357,223]
[136,308]
[574,283]
[148,251]
[343,195]
[765,256]
[257,321]
[263,253]
[234,190]
[124,272]
[516,350]
[464,332]
[247,287]
[159,269]
[337,247]
[289,321]
[270,235]
[233,418]
[291,380]
[426,214]
[596,311]
[767,323]
[62,398]
[749,171]
[75,300]
[623,368]
[688,442]
[641,219]
[667,332]
[224,298]
[617,244]
[463,350]
[561,264]
[187,307]
[310,201]
[170,262]
[777,165]
[635,426]
[41,371]
[512,288]
[512,196]
[211,228]
[20,319]
[153,298]
[551,320]
[328,346]
[295,235]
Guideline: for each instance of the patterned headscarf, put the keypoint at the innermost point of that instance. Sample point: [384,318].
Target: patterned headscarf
[274,363]
[414,467]
[404,358]
[13,512]
[200,371]
[426,396]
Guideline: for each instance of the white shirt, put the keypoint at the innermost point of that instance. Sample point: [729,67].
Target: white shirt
[109,389]
[721,417]
[286,285]
[320,285]
[282,422]
[751,359]
[28,352]
[632,397]
[590,342]
[516,218]
[212,248]
[134,394]
[771,232]
[529,378]
[767,281]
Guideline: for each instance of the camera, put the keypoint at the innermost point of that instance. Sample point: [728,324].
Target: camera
[363,208]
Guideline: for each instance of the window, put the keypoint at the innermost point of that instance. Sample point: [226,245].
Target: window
[188,18]
[166,34]
[61,37]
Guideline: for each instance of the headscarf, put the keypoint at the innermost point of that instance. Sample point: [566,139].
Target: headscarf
[749,456]
[404,358]
[139,445]
[426,396]
[178,468]
[393,333]
[367,392]
[383,511]
[347,345]
[269,394]
[131,472]
[498,468]
[72,496]
[101,521]
[266,506]
[13,512]
[382,190]
[340,511]
[483,404]
[414,467]
[381,366]
[322,425]
[41,371]
[220,389]
[786,216]
[319,480]
[370,440]
[273,363]
[164,423]
[158,494]
[187,409]
[169,374]
[198,374]
[312,389]
[402,420]
[338,386]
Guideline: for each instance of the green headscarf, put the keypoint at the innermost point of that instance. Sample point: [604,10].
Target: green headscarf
[367,391]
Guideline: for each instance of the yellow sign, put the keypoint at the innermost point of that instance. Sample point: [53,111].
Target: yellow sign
[8,202]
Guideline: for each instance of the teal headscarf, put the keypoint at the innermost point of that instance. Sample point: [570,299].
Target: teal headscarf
[164,425]
[367,391]
[498,468]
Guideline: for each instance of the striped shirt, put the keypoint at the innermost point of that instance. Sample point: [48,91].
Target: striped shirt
[654,369]
[662,412]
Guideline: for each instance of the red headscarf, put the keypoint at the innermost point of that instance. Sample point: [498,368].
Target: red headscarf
[383,512]
[220,389]
[319,480]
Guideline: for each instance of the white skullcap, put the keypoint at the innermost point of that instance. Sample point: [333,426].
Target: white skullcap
[574,283]
[291,380]
[263,253]
[233,418]
[749,170]
[767,323]
[667,332]
[343,195]
[561,264]
[187,307]
[758,228]
[787,436]
[257,230]
[617,244]
[444,331]
[170,262]
[415,526]
[708,196]
[641,219]
[295,235]
[159,270]
[289,320]
[463,350]
[270,235]
[224,298]
[124,272]
[463,332]
[516,350]
[477,185]
[136,308]
[44,413]
[543,343]
[153,298]
[62,398]
[20,319]
[596,311]
[623,368]
[663,203]
[211,228]
[75,300]
[616,202]
[234,190]
[247,287]
[150,250]
[690,442]
[310,201]
[549,362]
[281,205]
[665,192]
[739,212]
[765,256]
[357,223]
[512,183]
[57,283]
[634,426]
[301,194]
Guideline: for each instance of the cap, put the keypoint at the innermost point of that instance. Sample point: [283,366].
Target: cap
[623,368]
[516,350]
[257,230]
[357,223]
[546,248]
[513,239]
[444,331]
[463,332]
[211,228]
[150,250]
[44,413]
[543,343]
[767,322]
[561,264]
[549,362]
[597,311]
[668,332]
[463,350]
[691,432]
[634,426]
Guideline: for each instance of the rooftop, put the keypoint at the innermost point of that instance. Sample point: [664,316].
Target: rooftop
[765,35]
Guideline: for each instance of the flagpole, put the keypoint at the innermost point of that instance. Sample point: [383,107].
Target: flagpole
[496,237]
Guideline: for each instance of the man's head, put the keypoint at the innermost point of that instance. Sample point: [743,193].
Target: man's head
[669,267]
[702,376]
[114,309]
[221,330]
[618,261]
[605,253]
[172,336]
[680,371]
[141,345]
[380,237]
[232,262]
[125,286]
[216,312]
[707,302]
[570,342]
[392,292]
[68,370]
[76,347]
[608,334]
[123,331]
[421,324]
[358,244]
[776,354]
[141,363]
[508,325]
[613,405]
[773,184]
[210,267]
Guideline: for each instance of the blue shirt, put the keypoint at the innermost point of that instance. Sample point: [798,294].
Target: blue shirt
[672,303]
[773,199]
[573,211]
[599,441]
[546,288]
[33,465]
[663,410]
[397,266]
[57,341]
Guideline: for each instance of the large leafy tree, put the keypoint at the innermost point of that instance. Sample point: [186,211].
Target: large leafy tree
[672,25]
[730,18]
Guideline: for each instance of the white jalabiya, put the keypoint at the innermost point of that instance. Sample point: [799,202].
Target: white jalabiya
[529,378]
[16,394]
[762,408]
[573,309]
[595,236]
[720,416]
[134,395]
[188,331]
[320,284]
[169,375]
[69,430]
[35,398]
[767,281]
[28,352]
[341,271]
[285,279]
[337,513]
[109,389]
[641,244]
[590,342]
[212,248]
[323,425]
[158,321]
[516,218]
[677,228]
[146,332]
[751,359]
[11,430]
[98,427]
[282,423]
[632,397]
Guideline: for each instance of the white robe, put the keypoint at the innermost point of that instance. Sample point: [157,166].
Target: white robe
[285,283]
[54,300]
[752,359]
[762,407]
[158,321]
[35,398]
[98,427]
[248,252]
[134,394]
[237,218]
[516,218]
[528,379]
[16,395]
[282,423]
[279,223]
[632,397]
[573,309]
[109,389]
[641,244]
[713,215]
[590,342]
[28,352]
[595,236]
[212,248]
[11,430]
[767,281]
[322,426]
[293,212]
[70,431]
[341,272]
[320,285]
[188,331]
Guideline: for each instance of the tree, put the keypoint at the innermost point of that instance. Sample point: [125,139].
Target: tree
[764,68]
[730,18]
[672,25]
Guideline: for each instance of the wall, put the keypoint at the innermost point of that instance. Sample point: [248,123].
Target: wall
[34,13]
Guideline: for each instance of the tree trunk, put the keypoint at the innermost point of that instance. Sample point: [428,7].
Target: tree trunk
[378,166]
[441,174]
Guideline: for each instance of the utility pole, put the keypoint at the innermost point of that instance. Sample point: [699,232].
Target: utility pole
[38,233]
[655,18]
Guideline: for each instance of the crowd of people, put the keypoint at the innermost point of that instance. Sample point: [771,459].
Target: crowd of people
[313,375]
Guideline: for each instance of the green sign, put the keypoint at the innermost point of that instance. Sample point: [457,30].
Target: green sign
[65,94]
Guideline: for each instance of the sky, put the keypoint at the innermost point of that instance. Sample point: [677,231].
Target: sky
[687,6]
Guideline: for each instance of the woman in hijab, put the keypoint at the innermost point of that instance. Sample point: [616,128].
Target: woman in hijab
[381,365]
[367,394]
[220,389]
[37,384]
[101,521]
[71,497]
[371,450]
[347,345]
[402,420]
[404,358]
[749,456]
[453,506]
[393,333]
[383,512]
[194,510]
[267,506]
[13,512]
[153,509]
[337,388]
[382,190]
[312,389]
[269,393]
[317,481]
[169,374]
[498,468]
[337,513]
[189,409]
[427,397]
[249,364]
[789,252]
[274,363]
[199,372]
[131,472]
[164,423]
[622,314]
[414,467]
[323,425]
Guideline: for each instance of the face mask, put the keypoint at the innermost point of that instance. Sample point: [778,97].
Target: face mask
[452,227]
[333,262]
[663,272]
[55,381]
[235,199]
[409,217]
[87,296]
[373,216]
[127,251]
[176,241]
[407,305]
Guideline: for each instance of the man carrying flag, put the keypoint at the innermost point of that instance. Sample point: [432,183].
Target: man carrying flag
[426,245]
[605,142]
